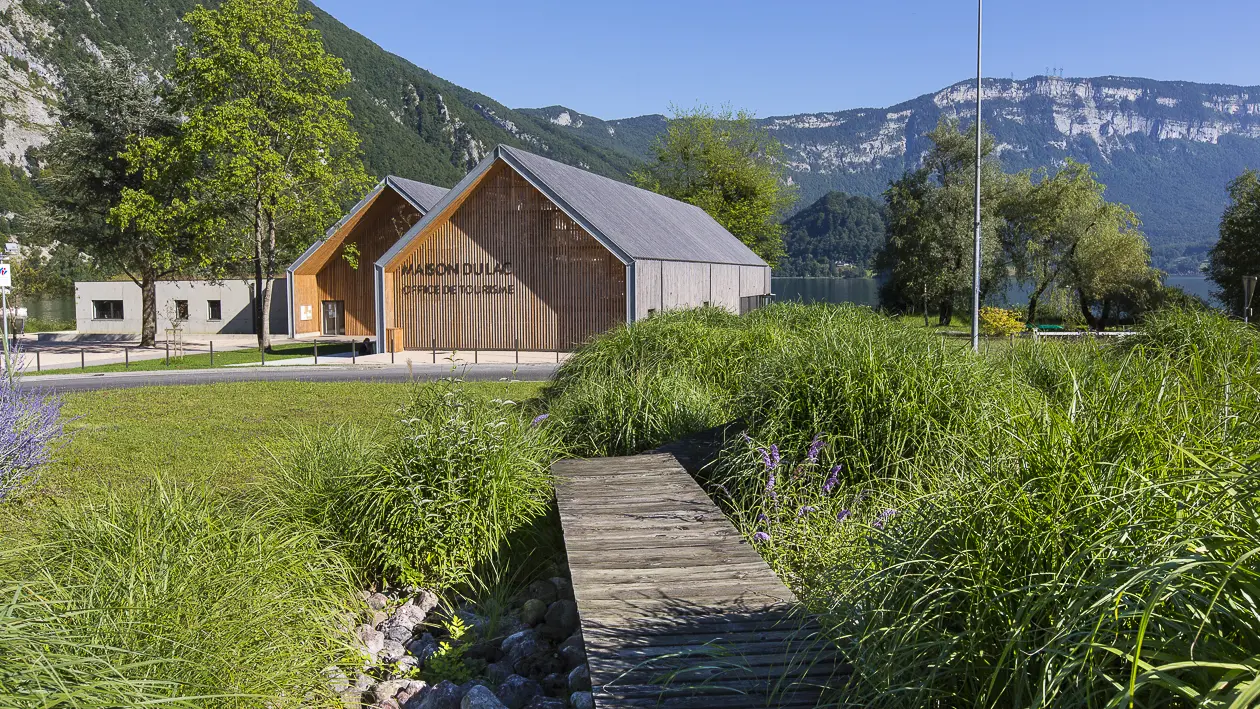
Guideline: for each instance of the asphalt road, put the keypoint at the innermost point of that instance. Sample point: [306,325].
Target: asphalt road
[322,373]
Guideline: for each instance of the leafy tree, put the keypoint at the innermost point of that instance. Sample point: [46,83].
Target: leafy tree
[724,164]
[1237,254]
[1111,265]
[107,107]
[837,229]
[928,251]
[263,110]
[1059,232]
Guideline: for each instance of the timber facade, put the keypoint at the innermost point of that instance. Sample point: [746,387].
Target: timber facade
[524,253]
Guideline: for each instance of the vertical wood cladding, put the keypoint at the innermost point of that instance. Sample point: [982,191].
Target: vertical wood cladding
[329,276]
[505,265]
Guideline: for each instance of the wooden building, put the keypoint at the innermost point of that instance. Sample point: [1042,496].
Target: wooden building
[529,253]
[330,285]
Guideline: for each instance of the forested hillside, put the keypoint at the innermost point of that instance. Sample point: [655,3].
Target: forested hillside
[837,235]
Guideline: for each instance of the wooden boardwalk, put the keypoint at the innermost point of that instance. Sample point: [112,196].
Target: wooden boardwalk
[677,609]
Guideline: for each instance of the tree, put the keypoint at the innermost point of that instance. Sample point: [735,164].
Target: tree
[930,235]
[1060,231]
[1237,254]
[726,165]
[263,113]
[106,108]
[837,235]
[1111,265]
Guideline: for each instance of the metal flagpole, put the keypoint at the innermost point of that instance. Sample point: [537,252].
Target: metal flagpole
[975,290]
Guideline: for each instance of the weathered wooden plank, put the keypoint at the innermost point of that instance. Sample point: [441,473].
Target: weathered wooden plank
[677,608]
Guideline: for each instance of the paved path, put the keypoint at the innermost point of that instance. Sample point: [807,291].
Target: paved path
[677,609]
[322,373]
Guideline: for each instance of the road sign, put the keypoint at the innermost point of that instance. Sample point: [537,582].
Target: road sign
[6,275]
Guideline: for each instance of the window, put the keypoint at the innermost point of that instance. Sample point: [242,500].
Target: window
[181,310]
[107,309]
[214,310]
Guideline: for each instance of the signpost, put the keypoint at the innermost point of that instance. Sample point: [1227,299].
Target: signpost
[6,282]
[1249,289]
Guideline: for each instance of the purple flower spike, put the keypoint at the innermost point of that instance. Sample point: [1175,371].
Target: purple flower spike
[806,510]
[842,515]
[832,480]
[744,435]
[761,537]
[763,519]
[774,457]
[882,518]
[539,419]
[815,447]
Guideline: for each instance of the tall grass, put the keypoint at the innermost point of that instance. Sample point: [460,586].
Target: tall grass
[179,593]
[1051,525]
[428,508]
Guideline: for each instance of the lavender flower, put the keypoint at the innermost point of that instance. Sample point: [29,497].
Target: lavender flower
[815,447]
[770,457]
[30,424]
[763,519]
[539,419]
[761,537]
[744,435]
[806,509]
[882,518]
[832,480]
[774,496]
[842,515]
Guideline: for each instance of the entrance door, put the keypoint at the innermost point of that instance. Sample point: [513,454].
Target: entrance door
[334,317]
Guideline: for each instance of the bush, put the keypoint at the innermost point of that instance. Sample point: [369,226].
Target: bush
[425,509]
[999,322]
[30,425]
[179,594]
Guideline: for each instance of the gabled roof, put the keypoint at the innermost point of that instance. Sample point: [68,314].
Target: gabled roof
[420,195]
[631,222]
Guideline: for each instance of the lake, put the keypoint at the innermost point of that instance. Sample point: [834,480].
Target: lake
[865,291]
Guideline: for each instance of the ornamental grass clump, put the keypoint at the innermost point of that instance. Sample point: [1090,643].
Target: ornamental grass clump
[428,507]
[173,594]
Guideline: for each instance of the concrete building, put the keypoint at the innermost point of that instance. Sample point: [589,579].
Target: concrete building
[526,253]
[201,307]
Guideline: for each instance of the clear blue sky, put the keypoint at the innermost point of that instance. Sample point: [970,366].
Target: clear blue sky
[615,59]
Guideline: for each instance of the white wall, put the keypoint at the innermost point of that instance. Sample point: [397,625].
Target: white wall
[235,297]
[669,285]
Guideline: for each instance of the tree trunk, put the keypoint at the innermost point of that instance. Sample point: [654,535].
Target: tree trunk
[1106,314]
[926,323]
[269,273]
[946,315]
[1032,309]
[260,282]
[1086,311]
[148,308]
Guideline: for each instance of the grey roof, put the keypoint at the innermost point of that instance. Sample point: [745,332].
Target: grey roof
[421,194]
[639,223]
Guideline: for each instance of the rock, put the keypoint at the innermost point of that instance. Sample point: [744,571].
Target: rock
[422,647]
[564,588]
[390,703]
[407,663]
[392,651]
[395,631]
[424,600]
[472,620]
[533,612]
[573,655]
[387,689]
[556,684]
[543,590]
[518,645]
[485,650]
[363,683]
[351,698]
[444,695]
[337,680]
[580,679]
[546,703]
[370,639]
[582,700]
[539,664]
[411,689]
[405,620]
[375,618]
[562,618]
[496,672]
[480,697]
[377,601]
[516,691]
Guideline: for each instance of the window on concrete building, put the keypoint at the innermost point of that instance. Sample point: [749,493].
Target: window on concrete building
[107,309]
[214,310]
[181,310]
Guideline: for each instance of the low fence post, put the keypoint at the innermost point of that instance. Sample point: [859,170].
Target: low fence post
[316,344]
[262,355]
[354,353]
[212,353]
[126,358]
[518,350]
[434,345]
[37,362]
[476,356]
[168,353]
[82,358]
[391,351]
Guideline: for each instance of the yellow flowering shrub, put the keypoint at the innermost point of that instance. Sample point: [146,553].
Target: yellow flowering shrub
[1000,322]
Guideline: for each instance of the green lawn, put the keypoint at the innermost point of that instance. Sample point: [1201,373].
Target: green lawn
[224,434]
[202,361]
